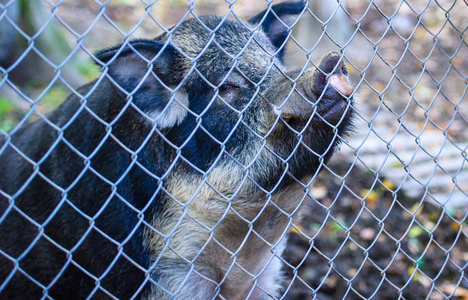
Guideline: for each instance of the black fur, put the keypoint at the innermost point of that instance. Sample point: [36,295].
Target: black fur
[78,191]
[274,24]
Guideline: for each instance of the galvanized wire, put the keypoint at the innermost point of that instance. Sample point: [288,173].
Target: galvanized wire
[405,164]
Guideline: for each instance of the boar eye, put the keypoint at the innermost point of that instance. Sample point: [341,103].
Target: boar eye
[226,87]
[344,70]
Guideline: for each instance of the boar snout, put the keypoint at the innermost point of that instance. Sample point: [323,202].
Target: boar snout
[332,89]
[341,84]
[323,94]
[299,100]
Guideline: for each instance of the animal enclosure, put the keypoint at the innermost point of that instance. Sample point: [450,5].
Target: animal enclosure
[385,217]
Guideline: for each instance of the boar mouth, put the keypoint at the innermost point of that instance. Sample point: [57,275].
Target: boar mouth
[288,119]
[334,111]
[328,113]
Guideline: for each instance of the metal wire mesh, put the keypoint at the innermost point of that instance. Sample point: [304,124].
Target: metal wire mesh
[105,199]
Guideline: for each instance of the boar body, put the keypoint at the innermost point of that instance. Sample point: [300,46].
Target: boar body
[176,174]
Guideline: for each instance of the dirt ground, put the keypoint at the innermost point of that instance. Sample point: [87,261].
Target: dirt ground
[384,247]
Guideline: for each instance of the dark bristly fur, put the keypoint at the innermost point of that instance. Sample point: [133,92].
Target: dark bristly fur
[170,175]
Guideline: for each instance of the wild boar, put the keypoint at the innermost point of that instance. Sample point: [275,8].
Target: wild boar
[177,173]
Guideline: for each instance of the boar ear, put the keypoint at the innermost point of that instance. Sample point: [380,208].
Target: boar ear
[125,62]
[146,72]
[275,21]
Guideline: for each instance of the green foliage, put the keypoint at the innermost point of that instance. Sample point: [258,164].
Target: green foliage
[52,99]
[88,70]
[11,113]
[6,108]
[338,225]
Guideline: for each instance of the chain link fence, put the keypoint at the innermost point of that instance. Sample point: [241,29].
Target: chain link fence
[215,192]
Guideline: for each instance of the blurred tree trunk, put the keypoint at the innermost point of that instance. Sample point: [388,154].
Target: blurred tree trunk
[9,14]
[31,52]
[325,28]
